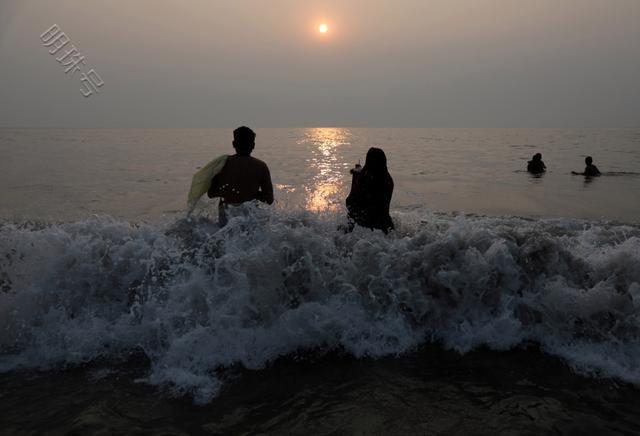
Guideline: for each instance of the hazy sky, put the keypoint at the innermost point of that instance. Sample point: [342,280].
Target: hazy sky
[418,63]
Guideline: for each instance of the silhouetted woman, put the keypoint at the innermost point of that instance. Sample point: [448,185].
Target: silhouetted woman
[371,191]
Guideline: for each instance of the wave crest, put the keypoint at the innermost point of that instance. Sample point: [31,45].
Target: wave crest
[197,299]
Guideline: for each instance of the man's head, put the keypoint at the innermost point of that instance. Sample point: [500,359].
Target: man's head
[244,140]
[537,157]
[588,160]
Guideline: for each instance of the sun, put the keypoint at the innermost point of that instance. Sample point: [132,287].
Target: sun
[323,28]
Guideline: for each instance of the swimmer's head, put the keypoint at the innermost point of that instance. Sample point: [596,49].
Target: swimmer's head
[588,160]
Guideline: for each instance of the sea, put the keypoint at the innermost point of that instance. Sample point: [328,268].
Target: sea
[502,303]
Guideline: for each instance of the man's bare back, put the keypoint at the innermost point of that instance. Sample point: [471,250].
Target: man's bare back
[243,178]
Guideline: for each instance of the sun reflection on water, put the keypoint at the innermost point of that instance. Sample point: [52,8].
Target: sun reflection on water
[325,191]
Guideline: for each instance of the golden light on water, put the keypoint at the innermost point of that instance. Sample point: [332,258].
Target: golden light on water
[325,192]
[321,198]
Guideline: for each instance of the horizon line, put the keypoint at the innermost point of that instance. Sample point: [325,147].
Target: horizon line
[311,127]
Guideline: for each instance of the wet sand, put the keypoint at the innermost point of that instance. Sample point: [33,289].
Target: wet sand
[432,391]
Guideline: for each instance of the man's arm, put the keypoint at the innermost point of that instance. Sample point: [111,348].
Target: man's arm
[266,187]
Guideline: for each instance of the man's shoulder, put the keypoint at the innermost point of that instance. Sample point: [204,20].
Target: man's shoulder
[259,163]
[241,158]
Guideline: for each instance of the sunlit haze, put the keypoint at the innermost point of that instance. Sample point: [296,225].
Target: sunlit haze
[415,63]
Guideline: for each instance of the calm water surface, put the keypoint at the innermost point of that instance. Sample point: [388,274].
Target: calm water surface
[144,174]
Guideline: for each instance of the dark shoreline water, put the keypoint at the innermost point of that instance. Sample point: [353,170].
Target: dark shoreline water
[431,391]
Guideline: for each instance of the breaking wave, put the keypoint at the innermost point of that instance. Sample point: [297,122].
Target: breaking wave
[197,299]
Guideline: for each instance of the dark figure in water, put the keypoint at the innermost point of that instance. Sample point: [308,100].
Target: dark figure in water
[535,165]
[243,178]
[371,191]
[590,170]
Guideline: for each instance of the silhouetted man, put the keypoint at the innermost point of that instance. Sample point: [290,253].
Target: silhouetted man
[590,170]
[243,178]
[535,165]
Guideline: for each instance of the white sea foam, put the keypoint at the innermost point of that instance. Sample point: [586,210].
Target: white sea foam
[198,299]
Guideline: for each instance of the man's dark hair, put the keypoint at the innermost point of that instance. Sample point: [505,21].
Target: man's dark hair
[244,139]
[588,160]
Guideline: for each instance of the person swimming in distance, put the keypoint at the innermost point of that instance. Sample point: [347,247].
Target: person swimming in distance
[243,177]
[535,165]
[590,170]
[371,192]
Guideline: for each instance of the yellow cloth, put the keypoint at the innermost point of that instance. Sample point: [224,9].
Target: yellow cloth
[202,179]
